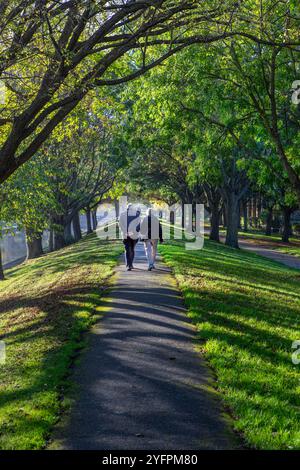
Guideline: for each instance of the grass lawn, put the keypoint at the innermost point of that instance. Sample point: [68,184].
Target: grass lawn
[45,305]
[247,312]
[273,242]
[275,237]
[290,250]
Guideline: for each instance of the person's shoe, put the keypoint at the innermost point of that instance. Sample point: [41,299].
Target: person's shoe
[153,267]
[129,268]
[150,268]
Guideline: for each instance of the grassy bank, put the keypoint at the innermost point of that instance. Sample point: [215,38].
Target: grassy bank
[274,242]
[290,250]
[45,305]
[247,312]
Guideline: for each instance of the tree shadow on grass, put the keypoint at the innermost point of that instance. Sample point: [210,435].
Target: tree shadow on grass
[42,328]
[62,260]
[48,345]
[247,308]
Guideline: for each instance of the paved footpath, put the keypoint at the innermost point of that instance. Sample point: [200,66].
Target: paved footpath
[141,384]
[284,258]
[263,250]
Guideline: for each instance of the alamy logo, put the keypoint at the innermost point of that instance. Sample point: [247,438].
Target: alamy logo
[179,222]
[296,353]
[296,92]
[2,92]
[2,352]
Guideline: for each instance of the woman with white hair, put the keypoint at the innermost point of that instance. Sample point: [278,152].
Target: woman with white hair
[151,232]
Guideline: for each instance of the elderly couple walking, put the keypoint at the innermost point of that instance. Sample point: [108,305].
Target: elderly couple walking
[134,228]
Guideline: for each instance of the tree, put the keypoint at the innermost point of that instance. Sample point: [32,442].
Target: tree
[158,165]
[53,53]
[27,199]
[274,185]
[71,172]
[262,77]
[180,109]
[83,169]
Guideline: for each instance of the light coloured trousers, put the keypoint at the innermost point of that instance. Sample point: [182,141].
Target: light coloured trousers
[151,250]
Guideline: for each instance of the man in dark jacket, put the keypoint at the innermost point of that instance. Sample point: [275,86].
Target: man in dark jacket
[151,232]
[129,223]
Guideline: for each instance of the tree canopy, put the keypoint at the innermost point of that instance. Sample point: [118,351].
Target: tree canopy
[53,53]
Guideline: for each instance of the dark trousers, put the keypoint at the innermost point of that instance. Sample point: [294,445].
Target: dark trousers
[129,244]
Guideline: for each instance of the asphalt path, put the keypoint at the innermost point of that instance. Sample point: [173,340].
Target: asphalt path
[140,383]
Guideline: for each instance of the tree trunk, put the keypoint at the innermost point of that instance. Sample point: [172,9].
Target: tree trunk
[249,211]
[240,215]
[214,223]
[94,220]
[1,267]
[58,232]
[269,221]
[117,208]
[224,213]
[232,212]
[254,212]
[51,240]
[194,216]
[88,220]
[245,215]
[286,232]
[34,247]
[76,227]
[172,217]
[59,240]
[68,237]
[182,214]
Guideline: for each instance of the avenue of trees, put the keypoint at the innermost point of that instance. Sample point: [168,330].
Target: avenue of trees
[196,130]
[190,101]
[71,174]
[53,53]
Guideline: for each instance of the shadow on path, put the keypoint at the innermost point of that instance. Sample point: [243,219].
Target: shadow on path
[141,385]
